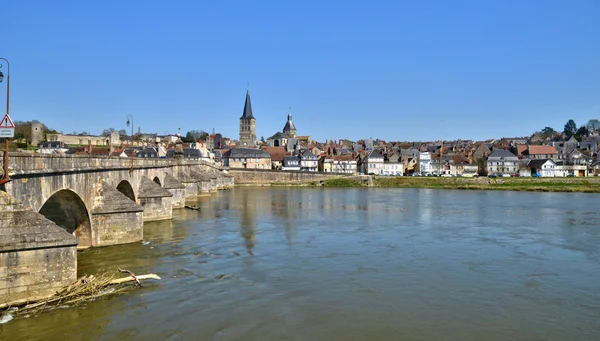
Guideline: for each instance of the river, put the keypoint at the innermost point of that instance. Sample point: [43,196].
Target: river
[350,264]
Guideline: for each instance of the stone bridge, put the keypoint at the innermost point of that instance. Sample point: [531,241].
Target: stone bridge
[55,204]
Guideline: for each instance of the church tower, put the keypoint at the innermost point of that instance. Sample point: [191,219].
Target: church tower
[289,128]
[247,125]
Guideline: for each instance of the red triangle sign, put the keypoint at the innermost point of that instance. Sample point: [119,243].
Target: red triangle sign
[6,122]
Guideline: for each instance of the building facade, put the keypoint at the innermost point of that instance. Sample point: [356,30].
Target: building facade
[247,158]
[502,162]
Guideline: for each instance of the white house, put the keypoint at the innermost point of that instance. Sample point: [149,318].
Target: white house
[425,165]
[502,162]
[374,162]
[392,168]
[344,164]
[309,162]
[291,163]
[545,168]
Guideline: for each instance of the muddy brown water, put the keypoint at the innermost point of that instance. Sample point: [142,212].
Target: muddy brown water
[351,264]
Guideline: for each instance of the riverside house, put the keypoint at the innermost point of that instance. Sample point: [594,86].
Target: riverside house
[502,162]
[249,158]
[373,163]
[545,168]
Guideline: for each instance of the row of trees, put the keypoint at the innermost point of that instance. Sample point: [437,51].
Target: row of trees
[570,129]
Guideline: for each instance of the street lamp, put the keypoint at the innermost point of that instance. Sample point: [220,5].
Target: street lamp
[5,178]
[130,121]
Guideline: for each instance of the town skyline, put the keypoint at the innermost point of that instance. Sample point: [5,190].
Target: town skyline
[394,71]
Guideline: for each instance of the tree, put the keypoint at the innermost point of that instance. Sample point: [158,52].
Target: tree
[570,128]
[548,132]
[195,135]
[581,133]
[107,132]
[593,125]
[123,132]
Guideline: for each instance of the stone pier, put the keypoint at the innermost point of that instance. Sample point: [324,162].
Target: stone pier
[177,189]
[155,200]
[116,219]
[37,256]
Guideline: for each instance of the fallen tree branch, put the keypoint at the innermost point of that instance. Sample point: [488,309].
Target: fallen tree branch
[132,275]
[84,288]
[129,279]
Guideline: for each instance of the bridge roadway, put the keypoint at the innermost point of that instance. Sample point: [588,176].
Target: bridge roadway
[56,204]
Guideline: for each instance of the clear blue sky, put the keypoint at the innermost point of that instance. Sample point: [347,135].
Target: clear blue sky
[396,70]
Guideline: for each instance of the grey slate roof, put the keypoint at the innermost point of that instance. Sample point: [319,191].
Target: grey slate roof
[289,125]
[150,189]
[537,163]
[291,161]
[247,152]
[247,107]
[279,135]
[376,153]
[308,155]
[498,153]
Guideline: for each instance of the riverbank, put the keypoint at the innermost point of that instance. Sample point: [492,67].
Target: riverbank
[584,185]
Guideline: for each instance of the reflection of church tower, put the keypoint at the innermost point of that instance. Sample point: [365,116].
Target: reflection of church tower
[247,125]
[289,128]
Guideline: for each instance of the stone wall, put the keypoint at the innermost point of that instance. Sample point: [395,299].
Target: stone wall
[117,228]
[266,177]
[157,208]
[36,273]
[191,191]
[178,199]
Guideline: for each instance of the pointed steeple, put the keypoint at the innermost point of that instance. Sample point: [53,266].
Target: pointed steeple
[247,107]
[289,127]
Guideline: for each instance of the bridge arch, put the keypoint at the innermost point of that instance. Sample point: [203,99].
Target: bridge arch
[125,187]
[157,180]
[66,209]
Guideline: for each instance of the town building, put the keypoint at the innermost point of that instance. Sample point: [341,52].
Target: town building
[502,162]
[543,167]
[373,163]
[309,162]
[291,163]
[247,158]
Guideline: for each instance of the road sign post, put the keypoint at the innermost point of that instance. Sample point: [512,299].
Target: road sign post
[7,127]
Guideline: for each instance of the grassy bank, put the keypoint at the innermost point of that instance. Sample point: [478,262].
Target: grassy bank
[586,185]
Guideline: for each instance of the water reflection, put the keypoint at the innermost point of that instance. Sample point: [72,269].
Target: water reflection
[351,264]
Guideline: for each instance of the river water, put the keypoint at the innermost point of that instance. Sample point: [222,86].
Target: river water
[351,264]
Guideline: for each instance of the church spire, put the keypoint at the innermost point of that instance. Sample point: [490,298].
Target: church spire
[247,107]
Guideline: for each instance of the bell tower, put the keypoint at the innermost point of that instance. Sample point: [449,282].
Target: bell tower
[247,125]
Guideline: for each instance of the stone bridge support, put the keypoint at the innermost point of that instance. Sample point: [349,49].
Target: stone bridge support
[116,219]
[176,188]
[156,201]
[37,257]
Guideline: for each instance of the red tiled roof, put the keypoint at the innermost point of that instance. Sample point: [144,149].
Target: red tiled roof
[521,148]
[277,153]
[535,150]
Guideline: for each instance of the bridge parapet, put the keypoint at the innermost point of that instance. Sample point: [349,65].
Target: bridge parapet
[29,163]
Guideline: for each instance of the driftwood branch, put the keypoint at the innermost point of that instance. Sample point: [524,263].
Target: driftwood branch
[84,288]
[192,208]
[129,279]
[137,281]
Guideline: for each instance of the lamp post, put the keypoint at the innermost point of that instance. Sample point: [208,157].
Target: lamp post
[130,120]
[5,178]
